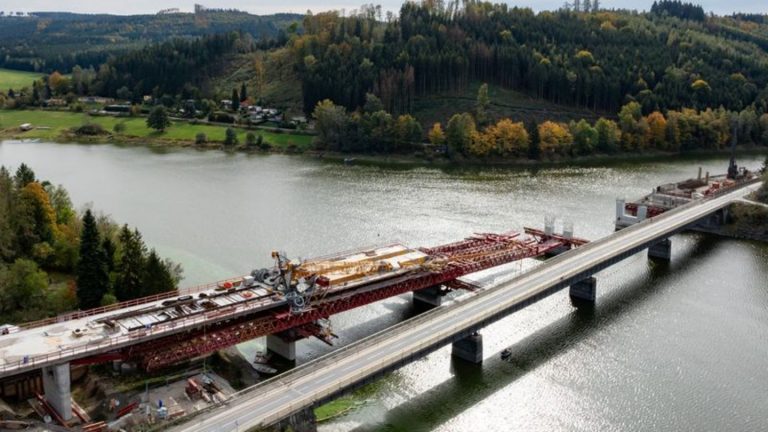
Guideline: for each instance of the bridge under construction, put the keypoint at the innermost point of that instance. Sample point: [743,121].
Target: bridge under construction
[291,300]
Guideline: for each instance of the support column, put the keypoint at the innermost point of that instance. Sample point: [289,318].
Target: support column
[469,349]
[58,391]
[428,298]
[584,291]
[302,421]
[281,347]
[661,251]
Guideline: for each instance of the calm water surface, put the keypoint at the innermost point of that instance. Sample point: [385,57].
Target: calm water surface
[668,347]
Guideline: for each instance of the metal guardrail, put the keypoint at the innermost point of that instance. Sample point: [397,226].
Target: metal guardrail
[297,373]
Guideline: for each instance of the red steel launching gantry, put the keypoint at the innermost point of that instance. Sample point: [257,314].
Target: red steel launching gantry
[306,293]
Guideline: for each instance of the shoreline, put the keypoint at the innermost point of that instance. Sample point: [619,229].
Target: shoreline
[413,160]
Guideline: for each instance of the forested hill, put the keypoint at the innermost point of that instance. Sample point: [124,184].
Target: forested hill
[48,41]
[669,58]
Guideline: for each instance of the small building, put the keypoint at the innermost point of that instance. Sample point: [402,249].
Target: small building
[95,100]
[55,102]
[226,104]
[26,127]
[147,98]
[299,120]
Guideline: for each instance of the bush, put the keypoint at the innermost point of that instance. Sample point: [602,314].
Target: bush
[200,138]
[250,139]
[264,146]
[118,128]
[230,137]
[90,129]
[221,117]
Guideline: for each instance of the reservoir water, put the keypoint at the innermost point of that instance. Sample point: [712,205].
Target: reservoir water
[677,347]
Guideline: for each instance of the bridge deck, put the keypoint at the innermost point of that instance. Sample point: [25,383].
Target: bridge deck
[330,375]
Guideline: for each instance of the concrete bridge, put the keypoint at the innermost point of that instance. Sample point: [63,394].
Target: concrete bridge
[297,392]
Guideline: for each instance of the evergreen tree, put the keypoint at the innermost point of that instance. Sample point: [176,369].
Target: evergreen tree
[92,276]
[130,270]
[156,279]
[534,143]
[24,176]
[243,93]
[230,137]
[235,101]
[158,118]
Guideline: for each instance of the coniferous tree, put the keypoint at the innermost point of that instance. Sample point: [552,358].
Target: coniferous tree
[235,101]
[534,143]
[92,276]
[157,279]
[24,176]
[243,93]
[130,269]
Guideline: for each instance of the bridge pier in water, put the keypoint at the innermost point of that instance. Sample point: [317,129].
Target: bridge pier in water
[428,298]
[661,251]
[58,389]
[469,349]
[282,347]
[584,292]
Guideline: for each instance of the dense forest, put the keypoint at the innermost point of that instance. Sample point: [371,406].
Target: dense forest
[55,259]
[666,59]
[49,41]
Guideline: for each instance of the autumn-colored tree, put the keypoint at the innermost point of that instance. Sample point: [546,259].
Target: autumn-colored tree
[481,144]
[608,135]
[43,214]
[509,138]
[436,135]
[657,127]
[59,83]
[554,138]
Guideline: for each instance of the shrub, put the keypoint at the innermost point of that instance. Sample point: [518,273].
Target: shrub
[118,128]
[250,139]
[200,138]
[230,137]
[90,129]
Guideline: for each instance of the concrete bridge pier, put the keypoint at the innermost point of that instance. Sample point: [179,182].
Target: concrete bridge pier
[428,298]
[584,292]
[469,349]
[661,251]
[58,390]
[302,421]
[282,346]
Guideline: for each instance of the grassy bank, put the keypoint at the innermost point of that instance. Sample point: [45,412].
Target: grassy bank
[13,79]
[57,125]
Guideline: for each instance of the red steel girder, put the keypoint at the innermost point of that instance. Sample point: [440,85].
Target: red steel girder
[177,348]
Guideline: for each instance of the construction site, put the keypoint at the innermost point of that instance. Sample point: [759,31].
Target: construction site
[291,300]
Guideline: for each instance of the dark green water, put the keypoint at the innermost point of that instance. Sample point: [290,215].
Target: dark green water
[677,347]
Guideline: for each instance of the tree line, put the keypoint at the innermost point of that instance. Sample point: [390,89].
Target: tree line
[372,129]
[55,259]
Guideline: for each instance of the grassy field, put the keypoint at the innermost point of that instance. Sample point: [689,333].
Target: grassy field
[53,125]
[439,107]
[13,79]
